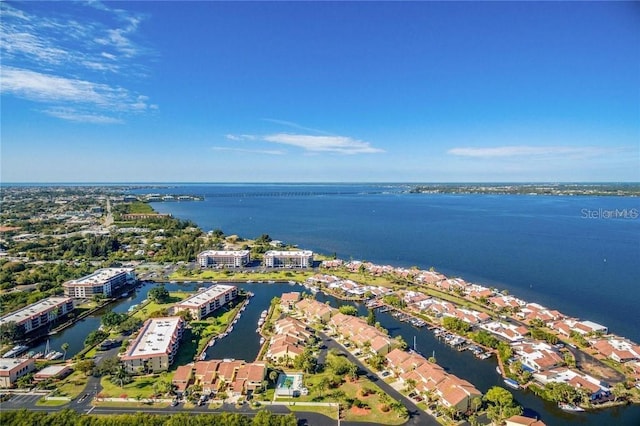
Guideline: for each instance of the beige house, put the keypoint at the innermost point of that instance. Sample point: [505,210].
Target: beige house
[11,369]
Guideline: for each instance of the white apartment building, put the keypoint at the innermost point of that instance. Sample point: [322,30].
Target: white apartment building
[155,347]
[288,259]
[228,258]
[39,314]
[103,281]
[204,302]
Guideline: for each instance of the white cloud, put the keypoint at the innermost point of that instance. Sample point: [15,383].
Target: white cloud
[51,88]
[527,150]
[335,144]
[71,114]
[294,125]
[62,61]
[248,151]
[238,138]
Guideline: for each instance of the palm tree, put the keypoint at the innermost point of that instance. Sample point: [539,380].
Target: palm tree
[273,375]
[121,375]
[65,348]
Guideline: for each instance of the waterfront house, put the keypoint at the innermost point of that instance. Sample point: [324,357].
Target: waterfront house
[284,348]
[292,327]
[457,393]
[431,379]
[617,349]
[314,310]
[511,332]
[594,388]
[537,355]
[289,300]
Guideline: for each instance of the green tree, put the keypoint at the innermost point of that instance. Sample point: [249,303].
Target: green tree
[86,366]
[348,310]
[121,376]
[113,319]
[371,317]
[10,332]
[95,337]
[618,391]
[159,294]
[501,404]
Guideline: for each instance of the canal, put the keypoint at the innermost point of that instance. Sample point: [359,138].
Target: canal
[243,343]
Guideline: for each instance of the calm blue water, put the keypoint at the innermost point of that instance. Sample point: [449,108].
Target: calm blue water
[540,248]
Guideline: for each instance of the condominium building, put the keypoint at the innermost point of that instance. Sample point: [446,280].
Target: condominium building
[11,369]
[288,259]
[206,301]
[103,282]
[155,347]
[228,258]
[39,314]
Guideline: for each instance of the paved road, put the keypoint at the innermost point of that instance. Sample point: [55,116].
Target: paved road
[417,417]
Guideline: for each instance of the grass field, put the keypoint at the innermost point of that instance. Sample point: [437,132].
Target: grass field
[73,385]
[228,275]
[151,307]
[141,386]
[48,403]
[351,390]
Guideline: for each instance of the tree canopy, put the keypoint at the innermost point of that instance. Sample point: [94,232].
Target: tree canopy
[69,417]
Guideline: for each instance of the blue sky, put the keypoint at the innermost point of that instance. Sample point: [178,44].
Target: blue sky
[320,91]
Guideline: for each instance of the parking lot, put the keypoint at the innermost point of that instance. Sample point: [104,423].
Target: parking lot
[19,400]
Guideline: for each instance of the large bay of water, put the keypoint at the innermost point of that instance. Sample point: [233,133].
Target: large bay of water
[540,248]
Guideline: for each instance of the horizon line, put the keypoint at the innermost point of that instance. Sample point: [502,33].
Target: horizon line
[316,183]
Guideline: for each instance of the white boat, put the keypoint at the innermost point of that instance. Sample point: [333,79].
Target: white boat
[262,340]
[498,370]
[570,407]
[55,355]
[213,342]
[511,383]
[15,351]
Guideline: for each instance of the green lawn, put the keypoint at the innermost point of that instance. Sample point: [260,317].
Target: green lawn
[230,275]
[141,386]
[46,403]
[151,307]
[351,390]
[73,385]
[186,351]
